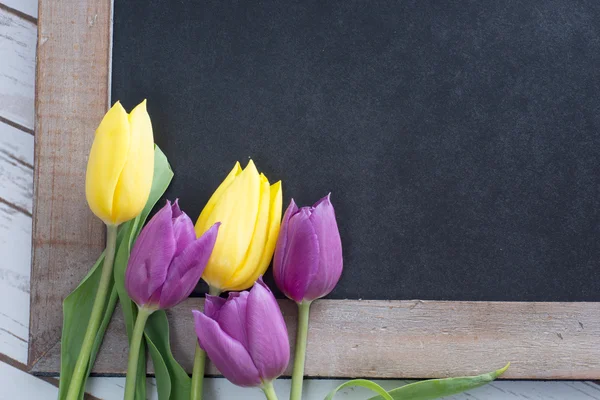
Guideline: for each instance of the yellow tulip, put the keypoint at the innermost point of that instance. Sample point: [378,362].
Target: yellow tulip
[249,210]
[121,165]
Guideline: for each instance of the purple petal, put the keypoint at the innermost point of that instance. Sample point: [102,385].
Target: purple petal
[228,355]
[268,340]
[232,317]
[212,306]
[330,250]
[175,210]
[280,248]
[150,257]
[183,230]
[187,268]
[300,260]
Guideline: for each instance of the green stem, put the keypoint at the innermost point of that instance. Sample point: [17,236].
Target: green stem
[200,362]
[269,390]
[198,373]
[134,351]
[301,335]
[81,367]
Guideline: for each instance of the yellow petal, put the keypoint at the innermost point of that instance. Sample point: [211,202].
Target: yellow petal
[134,185]
[201,225]
[108,156]
[259,238]
[236,209]
[274,225]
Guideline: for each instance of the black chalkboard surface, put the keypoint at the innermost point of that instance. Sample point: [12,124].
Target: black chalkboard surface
[460,140]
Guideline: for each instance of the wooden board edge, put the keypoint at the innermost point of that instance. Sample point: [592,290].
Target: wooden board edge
[408,339]
[73,56]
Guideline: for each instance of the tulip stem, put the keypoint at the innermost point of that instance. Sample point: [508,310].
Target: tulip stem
[269,390]
[81,366]
[200,362]
[134,351]
[300,355]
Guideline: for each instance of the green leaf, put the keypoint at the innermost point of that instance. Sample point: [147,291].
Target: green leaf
[163,380]
[172,381]
[436,388]
[157,335]
[128,308]
[77,308]
[362,383]
[78,305]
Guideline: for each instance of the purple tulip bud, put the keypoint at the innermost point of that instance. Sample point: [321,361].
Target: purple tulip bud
[167,260]
[308,257]
[244,336]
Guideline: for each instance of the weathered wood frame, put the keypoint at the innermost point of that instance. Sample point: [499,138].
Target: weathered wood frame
[348,338]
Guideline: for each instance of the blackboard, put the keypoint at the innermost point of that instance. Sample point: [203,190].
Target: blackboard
[459,139]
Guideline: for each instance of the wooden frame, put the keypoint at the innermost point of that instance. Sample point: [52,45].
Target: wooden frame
[348,338]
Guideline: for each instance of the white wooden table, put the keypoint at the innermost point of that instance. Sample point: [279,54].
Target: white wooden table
[18,31]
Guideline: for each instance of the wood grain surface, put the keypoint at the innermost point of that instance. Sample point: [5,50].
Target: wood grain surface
[411,339]
[72,96]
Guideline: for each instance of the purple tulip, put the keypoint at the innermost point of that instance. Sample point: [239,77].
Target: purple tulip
[245,336]
[167,260]
[308,257]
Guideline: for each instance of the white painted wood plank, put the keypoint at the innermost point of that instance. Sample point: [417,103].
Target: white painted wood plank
[16,167]
[17,384]
[15,248]
[16,189]
[29,7]
[113,388]
[221,389]
[18,39]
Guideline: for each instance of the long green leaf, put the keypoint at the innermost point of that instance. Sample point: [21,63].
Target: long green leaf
[128,307]
[361,383]
[161,372]
[157,335]
[172,381]
[437,388]
[78,305]
[77,308]
[161,179]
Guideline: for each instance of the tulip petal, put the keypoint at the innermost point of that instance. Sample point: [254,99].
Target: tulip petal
[201,224]
[183,229]
[237,210]
[275,203]
[282,240]
[187,268]
[150,257]
[330,246]
[135,180]
[232,317]
[226,353]
[268,342]
[107,159]
[259,237]
[212,306]
[301,259]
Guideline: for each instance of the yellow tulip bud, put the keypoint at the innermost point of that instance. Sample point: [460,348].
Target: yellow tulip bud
[249,210]
[121,165]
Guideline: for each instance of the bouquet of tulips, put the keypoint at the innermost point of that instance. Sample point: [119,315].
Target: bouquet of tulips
[230,247]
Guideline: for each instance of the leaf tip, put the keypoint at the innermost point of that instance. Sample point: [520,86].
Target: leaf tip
[502,370]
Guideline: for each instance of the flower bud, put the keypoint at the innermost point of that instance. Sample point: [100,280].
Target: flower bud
[308,258]
[250,212]
[167,260]
[245,336]
[121,165]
